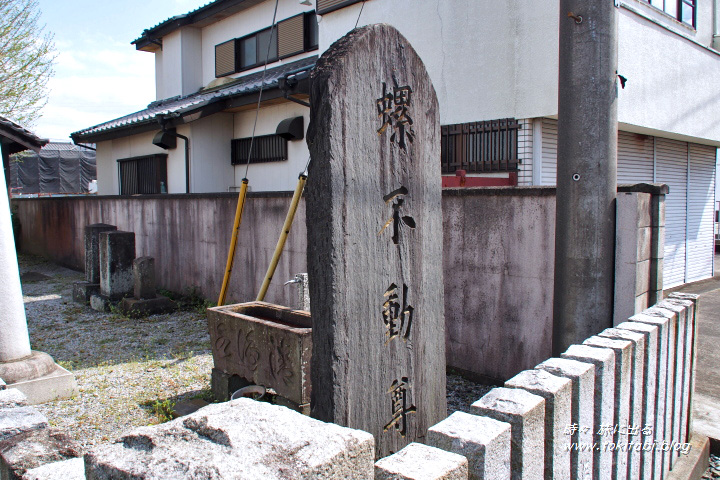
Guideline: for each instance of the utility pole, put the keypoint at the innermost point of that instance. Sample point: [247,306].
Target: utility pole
[586,171]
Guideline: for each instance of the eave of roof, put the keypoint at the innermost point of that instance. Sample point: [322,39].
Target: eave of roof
[184,109]
[16,138]
[200,17]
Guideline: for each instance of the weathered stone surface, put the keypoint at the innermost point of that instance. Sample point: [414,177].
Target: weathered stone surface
[117,252]
[17,420]
[3,386]
[92,250]
[485,442]
[32,449]
[691,343]
[12,397]
[101,303]
[525,412]
[683,309]
[374,221]
[623,378]
[650,388]
[557,392]
[663,402]
[238,439]
[604,414]
[73,469]
[659,315]
[82,291]
[421,462]
[265,344]
[582,377]
[35,365]
[144,277]
[637,386]
[137,308]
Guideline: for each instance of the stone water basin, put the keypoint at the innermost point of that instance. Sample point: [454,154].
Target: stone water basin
[262,344]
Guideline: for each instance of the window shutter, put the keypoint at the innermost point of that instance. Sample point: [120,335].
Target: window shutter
[326,6]
[225,58]
[291,36]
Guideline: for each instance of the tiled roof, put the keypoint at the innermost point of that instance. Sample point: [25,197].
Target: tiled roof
[181,105]
[18,136]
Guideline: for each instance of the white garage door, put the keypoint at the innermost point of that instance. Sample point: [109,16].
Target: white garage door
[701,198]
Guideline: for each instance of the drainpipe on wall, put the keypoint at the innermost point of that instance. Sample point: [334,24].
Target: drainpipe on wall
[716,25]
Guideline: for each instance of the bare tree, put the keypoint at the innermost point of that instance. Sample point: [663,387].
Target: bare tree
[26,61]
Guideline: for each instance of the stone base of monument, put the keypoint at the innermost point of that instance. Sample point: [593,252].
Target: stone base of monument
[39,378]
[142,307]
[82,291]
[262,344]
[100,302]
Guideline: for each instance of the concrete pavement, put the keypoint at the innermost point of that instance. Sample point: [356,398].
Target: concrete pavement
[706,402]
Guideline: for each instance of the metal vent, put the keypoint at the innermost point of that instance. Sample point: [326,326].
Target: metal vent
[291,36]
[326,6]
[266,148]
[225,58]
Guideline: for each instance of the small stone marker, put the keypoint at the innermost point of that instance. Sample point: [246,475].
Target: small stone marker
[82,291]
[420,462]
[144,277]
[485,442]
[604,361]
[682,365]
[525,412]
[581,427]
[623,378]
[238,439]
[661,314]
[663,403]
[374,220]
[146,301]
[650,388]
[691,345]
[557,392]
[637,385]
[117,252]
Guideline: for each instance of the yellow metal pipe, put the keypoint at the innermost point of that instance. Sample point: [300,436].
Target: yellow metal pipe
[283,236]
[233,241]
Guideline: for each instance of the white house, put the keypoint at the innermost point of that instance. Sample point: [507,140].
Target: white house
[494,66]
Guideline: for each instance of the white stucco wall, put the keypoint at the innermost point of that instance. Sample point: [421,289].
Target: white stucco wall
[246,22]
[272,176]
[491,60]
[178,70]
[210,168]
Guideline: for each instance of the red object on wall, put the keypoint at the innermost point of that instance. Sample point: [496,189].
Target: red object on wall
[462,180]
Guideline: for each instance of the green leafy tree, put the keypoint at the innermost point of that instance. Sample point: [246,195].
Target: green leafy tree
[26,61]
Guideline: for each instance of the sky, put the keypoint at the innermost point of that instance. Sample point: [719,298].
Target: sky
[99,75]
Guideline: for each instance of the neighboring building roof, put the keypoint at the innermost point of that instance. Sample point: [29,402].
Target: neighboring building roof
[176,110]
[212,12]
[16,138]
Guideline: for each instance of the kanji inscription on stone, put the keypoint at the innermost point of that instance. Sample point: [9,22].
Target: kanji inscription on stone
[374,225]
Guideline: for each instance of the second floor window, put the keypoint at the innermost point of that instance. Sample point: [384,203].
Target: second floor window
[290,37]
[683,10]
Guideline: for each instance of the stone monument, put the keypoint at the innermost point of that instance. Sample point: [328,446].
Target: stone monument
[374,225]
[82,291]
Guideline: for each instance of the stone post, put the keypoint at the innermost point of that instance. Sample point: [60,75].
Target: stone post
[14,339]
[82,291]
[374,222]
[117,252]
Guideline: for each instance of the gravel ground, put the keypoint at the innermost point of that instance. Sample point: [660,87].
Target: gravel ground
[124,366]
[713,471]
